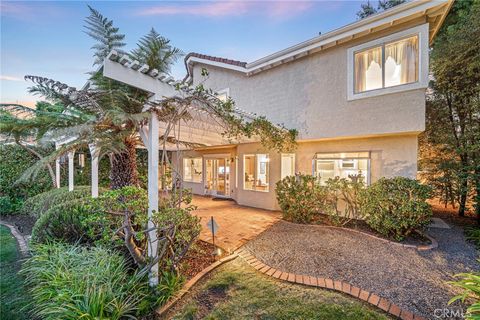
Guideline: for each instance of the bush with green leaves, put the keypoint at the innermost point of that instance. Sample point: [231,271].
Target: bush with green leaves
[473,234]
[299,197]
[394,207]
[14,160]
[470,285]
[73,282]
[63,222]
[41,203]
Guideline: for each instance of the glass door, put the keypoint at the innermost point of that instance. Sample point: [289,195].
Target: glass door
[217,182]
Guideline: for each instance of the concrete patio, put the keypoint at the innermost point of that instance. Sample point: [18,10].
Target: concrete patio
[237,224]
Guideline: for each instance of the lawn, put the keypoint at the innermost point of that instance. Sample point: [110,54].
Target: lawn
[237,291]
[13,295]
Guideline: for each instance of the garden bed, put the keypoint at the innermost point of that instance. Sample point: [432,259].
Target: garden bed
[24,223]
[414,239]
[198,258]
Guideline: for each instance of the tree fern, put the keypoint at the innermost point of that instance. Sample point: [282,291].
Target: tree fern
[156,51]
[104,33]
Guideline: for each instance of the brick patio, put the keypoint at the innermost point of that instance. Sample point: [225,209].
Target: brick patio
[237,224]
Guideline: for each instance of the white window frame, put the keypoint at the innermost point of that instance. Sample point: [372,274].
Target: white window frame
[281,163]
[345,156]
[255,173]
[226,91]
[183,170]
[422,32]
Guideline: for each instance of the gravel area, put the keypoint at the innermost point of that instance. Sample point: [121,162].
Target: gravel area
[412,279]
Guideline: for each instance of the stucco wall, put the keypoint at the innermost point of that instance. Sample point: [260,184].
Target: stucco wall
[390,156]
[310,94]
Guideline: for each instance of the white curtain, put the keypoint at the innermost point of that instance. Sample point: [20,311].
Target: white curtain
[363,61]
[405,55]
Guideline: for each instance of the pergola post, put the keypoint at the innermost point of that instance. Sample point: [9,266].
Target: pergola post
[71,157]
[57,168]
[95,153]
[152,146]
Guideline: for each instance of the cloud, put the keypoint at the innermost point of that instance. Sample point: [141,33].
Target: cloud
[34,12]
[271,9]
[10,78]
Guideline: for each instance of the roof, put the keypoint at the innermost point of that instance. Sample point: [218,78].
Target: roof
[434,12]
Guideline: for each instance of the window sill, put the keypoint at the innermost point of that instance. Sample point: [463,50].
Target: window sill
[384,91]
[193,181]
[263,191]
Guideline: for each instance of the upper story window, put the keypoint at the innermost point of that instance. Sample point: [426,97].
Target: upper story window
[394,63]
[223,94]
[390,64]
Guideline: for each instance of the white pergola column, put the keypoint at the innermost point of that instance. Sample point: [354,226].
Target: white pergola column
[152,147]
[95,153]
[57,168]
[71,158]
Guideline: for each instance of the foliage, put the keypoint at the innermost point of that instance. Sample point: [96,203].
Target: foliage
[453,105]
[36,206]
[71,282]
[119,217]
[367,9]
[470,283]
[62,222]
[396,206]
[170,283]
[14,160]
[13,296]
[298,197]
[342,199]
[473,234]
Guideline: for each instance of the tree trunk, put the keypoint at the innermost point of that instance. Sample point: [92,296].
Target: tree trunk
[123,166]
[477,195]
[463,186]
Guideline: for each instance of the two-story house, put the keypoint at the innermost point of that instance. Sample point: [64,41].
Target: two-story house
[355,94]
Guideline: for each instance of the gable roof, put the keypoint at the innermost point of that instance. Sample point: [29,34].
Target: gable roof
[434,12]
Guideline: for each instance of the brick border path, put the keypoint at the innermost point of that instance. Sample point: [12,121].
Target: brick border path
[331,284]
[22,243]
[162,310]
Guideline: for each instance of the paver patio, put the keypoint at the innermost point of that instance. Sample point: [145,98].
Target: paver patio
[237,224]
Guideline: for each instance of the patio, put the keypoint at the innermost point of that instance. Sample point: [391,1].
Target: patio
[237,224]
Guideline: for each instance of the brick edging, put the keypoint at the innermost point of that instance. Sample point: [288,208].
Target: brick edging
[431,246]
[340,286]
[162,310]
[22,243]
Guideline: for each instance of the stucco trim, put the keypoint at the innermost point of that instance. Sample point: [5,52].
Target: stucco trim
[422,32]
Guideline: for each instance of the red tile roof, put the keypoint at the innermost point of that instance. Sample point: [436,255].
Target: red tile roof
[217,59]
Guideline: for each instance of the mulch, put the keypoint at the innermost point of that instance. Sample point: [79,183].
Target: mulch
[24,223]
[198,258]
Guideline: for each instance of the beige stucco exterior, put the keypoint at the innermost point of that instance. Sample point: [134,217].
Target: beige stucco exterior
[310,95]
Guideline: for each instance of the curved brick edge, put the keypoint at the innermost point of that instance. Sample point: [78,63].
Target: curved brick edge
[331,284]
[431,246]
[22,243]
[162,310]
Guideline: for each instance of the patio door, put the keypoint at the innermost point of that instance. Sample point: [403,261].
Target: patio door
[217,180]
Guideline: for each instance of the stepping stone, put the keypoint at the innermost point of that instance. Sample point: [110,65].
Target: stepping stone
[438,223]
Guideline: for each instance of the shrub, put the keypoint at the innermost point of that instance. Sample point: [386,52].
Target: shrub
[41,203]
[71,282]
[342,199]
[395,207]
[470,284]
[299,197]
[62,222]
[473,234]
[14,160]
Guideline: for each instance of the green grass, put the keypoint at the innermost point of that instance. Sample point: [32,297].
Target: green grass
[237,291]
[13,296]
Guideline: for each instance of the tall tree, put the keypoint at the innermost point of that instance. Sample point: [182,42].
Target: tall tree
[453,106]
[367,9]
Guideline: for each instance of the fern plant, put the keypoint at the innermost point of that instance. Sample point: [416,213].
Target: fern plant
[470,283]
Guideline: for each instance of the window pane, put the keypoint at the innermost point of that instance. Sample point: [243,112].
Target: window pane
[262,172]
[192,169]
[368,70]
[343,168]
[288,165]
[249,172]
[401,62]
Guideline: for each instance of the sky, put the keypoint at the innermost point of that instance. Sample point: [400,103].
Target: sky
[46,38]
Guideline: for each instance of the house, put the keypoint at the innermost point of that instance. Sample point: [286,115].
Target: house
[356,95]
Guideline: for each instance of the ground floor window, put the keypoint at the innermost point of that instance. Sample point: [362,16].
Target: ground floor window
[256,172]
[192,169]
[287,165]
[344,165]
